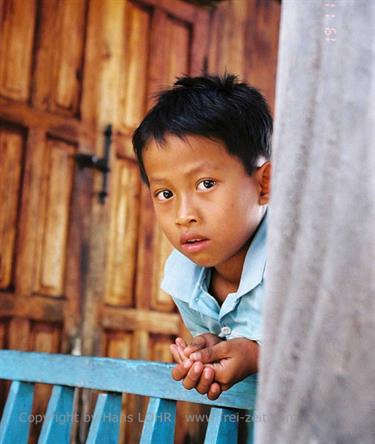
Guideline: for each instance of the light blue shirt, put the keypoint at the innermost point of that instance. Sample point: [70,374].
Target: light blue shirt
[240,315]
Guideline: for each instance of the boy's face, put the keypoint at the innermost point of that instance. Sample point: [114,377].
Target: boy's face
[206,203]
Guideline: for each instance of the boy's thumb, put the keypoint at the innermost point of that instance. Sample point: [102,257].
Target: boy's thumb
[210,354]
[198,341]
[196,344]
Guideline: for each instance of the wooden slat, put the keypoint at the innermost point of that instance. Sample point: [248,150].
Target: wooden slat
[222,427]
[176,8]
[58,61]
[11,155]
[156,77]
[54,214]
[59,417]
[30,217]
[159,422]
[137,377]
[3,326]
[135,64]
[137,319]
[244,41]
[137,405]
[36,308]
[177,40]
[261,47]
[162,248]
[15,423]
[228,38]
[200,42]
[44,337]
[160,348]
[119,345]
[59,127]
[19,333]
[103,53]
[105,425]
[125,191]
[146,245]
[17,33]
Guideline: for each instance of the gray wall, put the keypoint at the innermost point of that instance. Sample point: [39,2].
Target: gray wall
[317,381]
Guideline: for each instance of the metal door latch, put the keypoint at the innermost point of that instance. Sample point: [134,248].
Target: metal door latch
[99,163]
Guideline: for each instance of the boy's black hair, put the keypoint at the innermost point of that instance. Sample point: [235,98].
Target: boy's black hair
[219,108]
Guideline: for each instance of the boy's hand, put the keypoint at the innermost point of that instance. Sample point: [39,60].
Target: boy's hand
[181,351]
[232,360]
[227,361]
[199,376]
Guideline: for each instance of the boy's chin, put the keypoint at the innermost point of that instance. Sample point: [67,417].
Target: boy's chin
[201,260]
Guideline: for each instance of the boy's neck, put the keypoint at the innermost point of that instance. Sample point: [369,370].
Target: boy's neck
[226,278]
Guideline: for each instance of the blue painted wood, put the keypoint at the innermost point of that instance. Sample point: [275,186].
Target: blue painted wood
[15,422]
[159,422]
[105,426]
[115,375]
[59,417]
[222,426]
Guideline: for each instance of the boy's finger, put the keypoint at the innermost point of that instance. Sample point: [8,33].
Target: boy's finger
[180,350]
[180,342]
[214,391]
[175,353]
[210,354]
[197,343]
[181,370]
[191,379]
[205,381]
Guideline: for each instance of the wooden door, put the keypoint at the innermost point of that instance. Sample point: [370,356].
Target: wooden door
[75,275]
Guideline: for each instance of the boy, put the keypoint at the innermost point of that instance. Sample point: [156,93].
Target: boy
[203,151]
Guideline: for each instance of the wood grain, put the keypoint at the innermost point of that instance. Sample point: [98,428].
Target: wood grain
[11,164]
[54,210]
[136,319]
[58,65]
[16,48]
[133,82]
[122,234]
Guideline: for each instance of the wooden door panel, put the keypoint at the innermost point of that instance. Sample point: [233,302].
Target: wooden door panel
[133,81]
[16,48]
[54,208]
[11,155]
[159,299]
[58,66]
[123,232]
[248,48]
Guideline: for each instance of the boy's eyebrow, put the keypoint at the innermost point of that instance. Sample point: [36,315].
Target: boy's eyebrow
[189,172]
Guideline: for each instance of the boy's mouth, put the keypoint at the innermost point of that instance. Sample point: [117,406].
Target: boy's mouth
[193,243]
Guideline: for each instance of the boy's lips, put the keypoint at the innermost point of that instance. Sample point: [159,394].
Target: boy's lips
[192,243]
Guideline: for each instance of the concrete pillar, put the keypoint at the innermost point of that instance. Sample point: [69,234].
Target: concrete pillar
[317,380]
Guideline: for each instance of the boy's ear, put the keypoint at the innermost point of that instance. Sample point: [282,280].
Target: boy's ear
[263,176]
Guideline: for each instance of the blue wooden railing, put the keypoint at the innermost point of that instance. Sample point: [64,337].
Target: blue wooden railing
[114,376]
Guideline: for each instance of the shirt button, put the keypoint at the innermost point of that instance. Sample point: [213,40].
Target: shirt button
[226,331]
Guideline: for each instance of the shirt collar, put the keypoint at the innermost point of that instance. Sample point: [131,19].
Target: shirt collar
[255,260]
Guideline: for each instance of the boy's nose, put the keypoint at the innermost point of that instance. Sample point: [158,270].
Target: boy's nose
[185,214]
[187,219]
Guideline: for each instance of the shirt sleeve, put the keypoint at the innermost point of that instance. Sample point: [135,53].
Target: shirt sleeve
[191,318]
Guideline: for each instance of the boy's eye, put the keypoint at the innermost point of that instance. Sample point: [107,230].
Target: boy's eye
[206,184]
[163,195]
